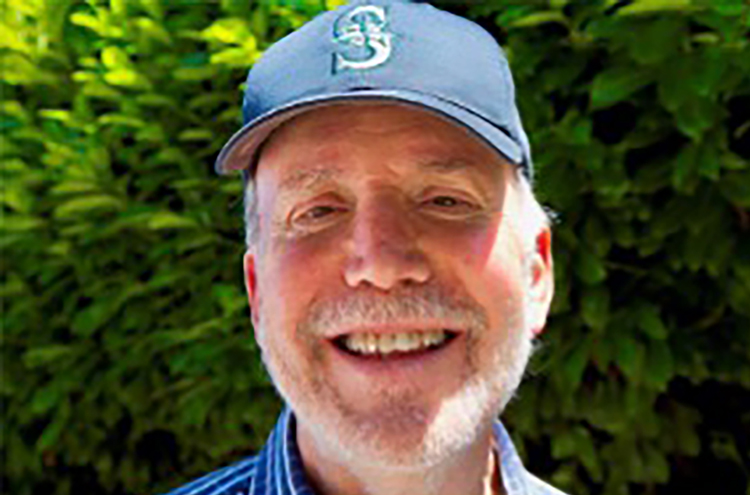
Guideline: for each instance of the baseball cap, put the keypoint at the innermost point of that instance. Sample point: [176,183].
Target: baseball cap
[396,51]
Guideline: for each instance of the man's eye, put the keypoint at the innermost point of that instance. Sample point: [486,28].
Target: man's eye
[448,202]
[317,213]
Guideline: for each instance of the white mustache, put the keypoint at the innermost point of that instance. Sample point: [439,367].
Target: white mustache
[403,306]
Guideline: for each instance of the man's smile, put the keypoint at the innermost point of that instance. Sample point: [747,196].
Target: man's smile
[398,357]
[394,344]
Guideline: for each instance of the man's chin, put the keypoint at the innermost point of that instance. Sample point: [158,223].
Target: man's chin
[395,439]
[390,448]
[457,425]
[399,438]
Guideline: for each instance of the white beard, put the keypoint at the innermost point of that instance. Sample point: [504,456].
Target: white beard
[375,439]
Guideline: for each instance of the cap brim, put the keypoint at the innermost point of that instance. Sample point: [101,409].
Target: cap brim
[238,153]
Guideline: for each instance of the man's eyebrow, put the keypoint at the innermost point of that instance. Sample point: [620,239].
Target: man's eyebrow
[450,166]
[301,179]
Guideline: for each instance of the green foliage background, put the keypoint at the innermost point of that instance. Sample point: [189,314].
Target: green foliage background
[128,363]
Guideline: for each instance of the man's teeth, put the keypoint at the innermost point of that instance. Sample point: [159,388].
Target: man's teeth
[371,343]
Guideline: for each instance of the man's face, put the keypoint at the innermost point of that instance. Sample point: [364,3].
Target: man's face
[383,226]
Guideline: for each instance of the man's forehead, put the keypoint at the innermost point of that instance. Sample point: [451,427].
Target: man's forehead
[309,177]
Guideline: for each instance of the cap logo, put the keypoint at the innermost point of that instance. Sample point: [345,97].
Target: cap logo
[363,39]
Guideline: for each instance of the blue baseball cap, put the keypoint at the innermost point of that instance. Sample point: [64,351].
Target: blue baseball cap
[383,51]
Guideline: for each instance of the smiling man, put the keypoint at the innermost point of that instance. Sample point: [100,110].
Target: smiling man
[398,266]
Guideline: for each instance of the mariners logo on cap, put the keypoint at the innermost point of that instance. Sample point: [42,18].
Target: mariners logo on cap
[363,40]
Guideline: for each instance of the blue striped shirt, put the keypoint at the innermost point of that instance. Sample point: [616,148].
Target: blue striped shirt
[277,469]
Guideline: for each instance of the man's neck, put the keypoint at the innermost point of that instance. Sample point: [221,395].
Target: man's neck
[475,473]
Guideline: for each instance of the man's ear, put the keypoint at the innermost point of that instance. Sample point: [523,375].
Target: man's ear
[251,285]
[542,280]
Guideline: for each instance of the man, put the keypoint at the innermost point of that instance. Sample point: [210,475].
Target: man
[398,266]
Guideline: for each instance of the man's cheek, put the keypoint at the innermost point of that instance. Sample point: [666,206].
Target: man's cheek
[471,243]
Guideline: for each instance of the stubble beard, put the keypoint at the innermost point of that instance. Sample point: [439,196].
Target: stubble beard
[399,435]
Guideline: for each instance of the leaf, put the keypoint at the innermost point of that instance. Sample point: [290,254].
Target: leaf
[685,169]
[155,100]
[12,286]
[228,30]
[61,115]
[128,78]
[86,204]
[89,21]
[19,70]
[586,451]
[589,267]
[121,119]
[538,18]
[512,12]
[575,129]
[694,118]
[660,365]
[229,298]
[656,465]
[630,357]
[20,223]
[640,7]
[235,57]
[709,161]
[153,133]
[575,363]
[563,444]
[657,40]
[196,73]
[708,69]
[334,4]
[92,318]
[616,84]
[196,134]
[595,307]
[42,356]
[597,235]
[17,198]
[672,90]
[153,30]
[46,398]
[686,437]
[170,220]
[51,433]
[561,74]
[735,186]
[115,58]
[738,293]
[98,89]
[650,322]
[602,354]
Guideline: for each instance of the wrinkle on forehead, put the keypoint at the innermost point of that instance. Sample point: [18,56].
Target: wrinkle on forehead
[308,178]
[305,178]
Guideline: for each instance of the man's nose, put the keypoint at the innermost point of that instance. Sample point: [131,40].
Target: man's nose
[384,250]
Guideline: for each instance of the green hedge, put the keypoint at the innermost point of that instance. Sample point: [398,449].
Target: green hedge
[128,364]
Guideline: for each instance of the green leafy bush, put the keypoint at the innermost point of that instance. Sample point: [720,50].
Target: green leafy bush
[128,364]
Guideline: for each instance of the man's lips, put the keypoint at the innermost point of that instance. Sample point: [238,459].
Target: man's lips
[423,367]
[394,329]
[393,344]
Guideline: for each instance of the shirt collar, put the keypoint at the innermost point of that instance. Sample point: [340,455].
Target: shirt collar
[279,469]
